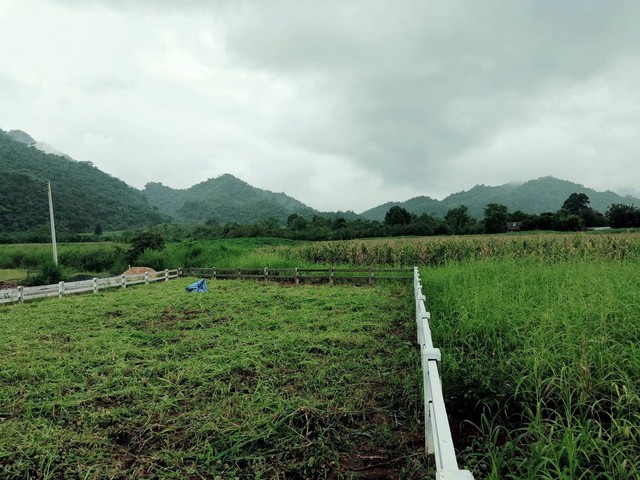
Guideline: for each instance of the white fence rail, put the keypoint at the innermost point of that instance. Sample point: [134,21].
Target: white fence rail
[437,432]
[23,294]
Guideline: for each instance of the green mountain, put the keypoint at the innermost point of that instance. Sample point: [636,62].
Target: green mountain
[545,194]
[225,199]
[83,196]
[417,205]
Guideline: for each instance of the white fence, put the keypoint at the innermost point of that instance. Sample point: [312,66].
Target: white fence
[23,294]
[437,432]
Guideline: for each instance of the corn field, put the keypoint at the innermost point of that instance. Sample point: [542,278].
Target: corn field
[441,250]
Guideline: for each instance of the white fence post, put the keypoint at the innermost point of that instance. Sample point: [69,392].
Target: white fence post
[21,294]
[166,275]
[95,285]
[123,279]
[60,289]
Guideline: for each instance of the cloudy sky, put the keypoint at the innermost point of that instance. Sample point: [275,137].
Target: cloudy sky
[341,104]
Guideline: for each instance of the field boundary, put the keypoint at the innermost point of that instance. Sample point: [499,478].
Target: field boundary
[22,294]
[299,275]
[437,433]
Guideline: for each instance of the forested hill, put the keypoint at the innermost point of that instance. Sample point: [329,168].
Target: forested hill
[225,199]
[545,194]
[83,196]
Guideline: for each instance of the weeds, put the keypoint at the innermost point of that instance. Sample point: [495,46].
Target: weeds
[542,357]
[251,380]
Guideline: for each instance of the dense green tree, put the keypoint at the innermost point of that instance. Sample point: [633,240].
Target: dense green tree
[296,222]
[623,216]
[98,230]
[564,221]
[397,216]
[496,216]
[576,203]
[459,221]
[147,240]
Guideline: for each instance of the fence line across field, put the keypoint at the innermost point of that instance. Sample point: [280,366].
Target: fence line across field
[23,294]
[438,440]
[368,275]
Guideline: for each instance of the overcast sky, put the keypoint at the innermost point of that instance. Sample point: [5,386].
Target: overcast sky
[342,105]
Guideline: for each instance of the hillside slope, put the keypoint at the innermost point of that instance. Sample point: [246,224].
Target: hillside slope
[225,199]
[83,196]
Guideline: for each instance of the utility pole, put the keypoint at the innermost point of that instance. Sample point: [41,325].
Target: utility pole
[53,226]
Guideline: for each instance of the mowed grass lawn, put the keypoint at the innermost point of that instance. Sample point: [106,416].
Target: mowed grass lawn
[249,380]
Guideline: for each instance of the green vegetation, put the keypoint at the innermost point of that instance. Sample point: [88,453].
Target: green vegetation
[12,274]
[80,257]
[433,251]
[89,202]
[251,380]
[541,361]
[539,337]
[225,199]
[83,196]
[545,194]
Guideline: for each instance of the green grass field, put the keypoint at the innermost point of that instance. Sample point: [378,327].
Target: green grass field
[250,380]
[12,275]
[541,368]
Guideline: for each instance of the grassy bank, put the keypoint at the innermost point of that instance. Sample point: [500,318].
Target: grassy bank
[543,359]
[251,380]
[111,258]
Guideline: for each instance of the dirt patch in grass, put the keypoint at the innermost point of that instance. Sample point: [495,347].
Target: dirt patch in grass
[372,461]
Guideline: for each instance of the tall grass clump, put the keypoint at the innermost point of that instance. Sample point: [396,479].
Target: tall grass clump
[245,252]
[86,257]
[543,359]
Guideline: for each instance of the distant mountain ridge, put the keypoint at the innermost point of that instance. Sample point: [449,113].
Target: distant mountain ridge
[225,199]
[83,196]
[544,194]
[24,137]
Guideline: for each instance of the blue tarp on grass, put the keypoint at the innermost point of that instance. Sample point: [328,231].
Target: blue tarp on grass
[199,286]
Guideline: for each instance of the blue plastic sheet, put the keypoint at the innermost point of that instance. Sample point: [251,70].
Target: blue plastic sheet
[199,286]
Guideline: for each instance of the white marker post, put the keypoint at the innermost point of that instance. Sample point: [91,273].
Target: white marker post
[53,226]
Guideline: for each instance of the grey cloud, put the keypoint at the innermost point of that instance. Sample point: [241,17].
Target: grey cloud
[425,81]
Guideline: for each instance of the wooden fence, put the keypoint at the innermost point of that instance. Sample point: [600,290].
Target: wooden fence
[23,294]
[298,275]
[438,440]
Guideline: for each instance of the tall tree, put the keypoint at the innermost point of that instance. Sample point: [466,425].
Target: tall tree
[495,218]
[623,216]
[397,216]
[576,203]
[458,220]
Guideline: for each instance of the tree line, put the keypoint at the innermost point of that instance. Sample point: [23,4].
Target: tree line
[574,215]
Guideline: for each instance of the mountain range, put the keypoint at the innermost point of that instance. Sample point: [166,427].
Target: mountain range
[545,194]
[84,196]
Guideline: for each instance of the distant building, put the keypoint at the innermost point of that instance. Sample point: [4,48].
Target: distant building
[514,226]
